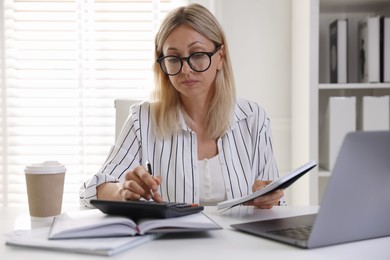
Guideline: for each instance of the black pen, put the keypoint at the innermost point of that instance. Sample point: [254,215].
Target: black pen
[149,166]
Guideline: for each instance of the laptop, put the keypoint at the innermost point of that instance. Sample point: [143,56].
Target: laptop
[356,203]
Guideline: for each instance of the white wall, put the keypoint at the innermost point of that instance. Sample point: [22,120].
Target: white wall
[258,33]
[303,76]
[259,37]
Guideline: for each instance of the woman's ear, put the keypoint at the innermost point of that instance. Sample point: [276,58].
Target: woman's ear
[221,54]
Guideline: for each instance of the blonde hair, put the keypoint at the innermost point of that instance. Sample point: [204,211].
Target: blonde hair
[165,109]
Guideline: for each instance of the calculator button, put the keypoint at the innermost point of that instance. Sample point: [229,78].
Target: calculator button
[180,206]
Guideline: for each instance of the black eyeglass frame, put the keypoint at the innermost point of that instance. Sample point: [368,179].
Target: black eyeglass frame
[187,59]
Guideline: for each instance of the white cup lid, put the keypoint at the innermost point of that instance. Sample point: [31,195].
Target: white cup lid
[45,168]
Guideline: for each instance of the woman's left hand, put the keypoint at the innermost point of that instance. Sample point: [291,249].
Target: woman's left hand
[266,201]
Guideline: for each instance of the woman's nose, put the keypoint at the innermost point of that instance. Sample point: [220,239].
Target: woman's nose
[186,67]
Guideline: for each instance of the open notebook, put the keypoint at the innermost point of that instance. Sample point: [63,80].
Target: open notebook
[92,232]
[93,223]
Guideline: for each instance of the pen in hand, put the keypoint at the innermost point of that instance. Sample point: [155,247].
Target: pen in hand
[149,166]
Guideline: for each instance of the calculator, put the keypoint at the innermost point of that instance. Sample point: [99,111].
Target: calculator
[143,209]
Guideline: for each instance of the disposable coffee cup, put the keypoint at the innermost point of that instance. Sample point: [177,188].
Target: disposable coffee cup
[45,188]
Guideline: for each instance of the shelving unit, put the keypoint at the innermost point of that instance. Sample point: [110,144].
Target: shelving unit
[311,89]
[354,86]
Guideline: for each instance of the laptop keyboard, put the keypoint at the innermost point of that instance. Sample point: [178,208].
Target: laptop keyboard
[300,232]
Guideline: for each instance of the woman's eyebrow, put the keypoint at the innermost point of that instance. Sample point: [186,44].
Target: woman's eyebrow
[195,42]
[189,45]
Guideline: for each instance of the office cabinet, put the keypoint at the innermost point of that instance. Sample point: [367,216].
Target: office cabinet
[311,87]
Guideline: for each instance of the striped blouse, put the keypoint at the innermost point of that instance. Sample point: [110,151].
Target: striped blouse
[245,154]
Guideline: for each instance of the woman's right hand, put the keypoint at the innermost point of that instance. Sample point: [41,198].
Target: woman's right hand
[139,184]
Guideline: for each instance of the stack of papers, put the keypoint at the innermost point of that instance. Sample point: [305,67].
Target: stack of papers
[38,238]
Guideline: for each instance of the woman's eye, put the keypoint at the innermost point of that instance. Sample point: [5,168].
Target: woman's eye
[197,56]
[172,60]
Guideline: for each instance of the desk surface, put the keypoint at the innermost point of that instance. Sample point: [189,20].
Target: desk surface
[225,244]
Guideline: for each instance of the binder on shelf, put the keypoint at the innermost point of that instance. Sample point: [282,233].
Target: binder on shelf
[385,49]
[375,113]
[338,42]
[340,119]
[369,49]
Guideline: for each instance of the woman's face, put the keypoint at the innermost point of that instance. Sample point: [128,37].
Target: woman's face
[182,42]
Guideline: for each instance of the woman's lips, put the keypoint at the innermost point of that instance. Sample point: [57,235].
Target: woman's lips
[189,82]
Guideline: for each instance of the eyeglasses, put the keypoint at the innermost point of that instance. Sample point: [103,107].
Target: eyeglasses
[198,61]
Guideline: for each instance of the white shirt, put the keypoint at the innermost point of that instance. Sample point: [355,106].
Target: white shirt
[245,154]
[211,184]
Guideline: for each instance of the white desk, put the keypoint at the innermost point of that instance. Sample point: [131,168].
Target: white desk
[220,244]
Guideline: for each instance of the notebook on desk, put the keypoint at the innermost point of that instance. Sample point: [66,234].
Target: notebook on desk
[356,203]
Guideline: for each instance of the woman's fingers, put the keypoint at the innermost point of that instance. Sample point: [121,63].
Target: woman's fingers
[139,183]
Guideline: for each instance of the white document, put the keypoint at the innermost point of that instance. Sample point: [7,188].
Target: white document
[340,119]
[338,31]
[280,183]
[38,238]
[386,49]
[376,113]
[369,49]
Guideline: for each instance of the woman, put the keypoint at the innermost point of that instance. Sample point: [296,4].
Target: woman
[204,145]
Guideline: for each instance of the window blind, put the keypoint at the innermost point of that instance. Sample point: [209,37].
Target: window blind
[62,65]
